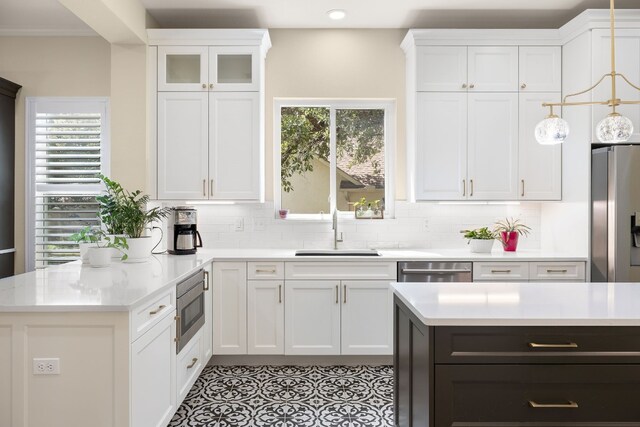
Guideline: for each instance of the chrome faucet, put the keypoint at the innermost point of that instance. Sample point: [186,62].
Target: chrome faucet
[336,240]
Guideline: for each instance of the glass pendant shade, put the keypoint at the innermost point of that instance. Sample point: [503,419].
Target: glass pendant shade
[614,129]
[552,130]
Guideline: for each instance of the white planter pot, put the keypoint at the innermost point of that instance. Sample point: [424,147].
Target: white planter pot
[139,249]
[84,251]
[99,257]
[479,246]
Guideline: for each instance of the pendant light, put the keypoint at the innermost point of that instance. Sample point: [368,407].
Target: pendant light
[613,129]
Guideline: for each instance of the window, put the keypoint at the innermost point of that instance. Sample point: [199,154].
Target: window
[67,146]
[333,154]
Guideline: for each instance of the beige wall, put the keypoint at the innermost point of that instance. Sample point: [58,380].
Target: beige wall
[53,66]
[336,64]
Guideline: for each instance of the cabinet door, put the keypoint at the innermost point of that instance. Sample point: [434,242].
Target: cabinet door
[265,317]
[442,68]
[235,152]
[493,69]
[627,63]
[234,68]
[183,68]
[189,364]
[441,151]
[540,68]
[367,319]
[539,166]
[312,310]
[493,146]
[183,145]
[6,392]
[153,376]
[207,330]
[229,307]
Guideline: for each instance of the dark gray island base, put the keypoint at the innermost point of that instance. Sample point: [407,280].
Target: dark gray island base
[508,376]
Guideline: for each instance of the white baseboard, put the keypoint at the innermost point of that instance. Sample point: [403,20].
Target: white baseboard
[255,360]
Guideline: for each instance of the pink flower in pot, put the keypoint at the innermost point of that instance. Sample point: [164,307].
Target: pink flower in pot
[509,231]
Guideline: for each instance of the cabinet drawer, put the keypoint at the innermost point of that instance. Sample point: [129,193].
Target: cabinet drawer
[557,271]
[517,395]
[265,270]
[144,316]
[537,344]
[500,271]
[319,270]
[189,365]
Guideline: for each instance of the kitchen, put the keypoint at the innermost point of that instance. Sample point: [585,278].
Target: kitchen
[453,114]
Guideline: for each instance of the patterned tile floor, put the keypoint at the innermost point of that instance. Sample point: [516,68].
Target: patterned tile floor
[289,396]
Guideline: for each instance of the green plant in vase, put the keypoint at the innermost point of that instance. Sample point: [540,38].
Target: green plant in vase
[96,246]
[508,232]
[480,239]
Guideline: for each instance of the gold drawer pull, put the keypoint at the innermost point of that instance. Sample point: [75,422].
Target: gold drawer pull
[157,310]
[266,271]
[501,271]
[193,363]
[569,405]
[565,345]
[557,271]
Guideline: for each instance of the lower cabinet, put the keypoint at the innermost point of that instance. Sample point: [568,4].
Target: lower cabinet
[153,380]
[367,317]
[265,317]
[312,313]
[207,330]
[6,351]
[189,365]
[229,284]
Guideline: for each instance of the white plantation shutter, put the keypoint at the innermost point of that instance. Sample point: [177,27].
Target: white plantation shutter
[68,146]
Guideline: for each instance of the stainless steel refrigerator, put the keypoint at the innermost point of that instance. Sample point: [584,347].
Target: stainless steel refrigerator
[615,214]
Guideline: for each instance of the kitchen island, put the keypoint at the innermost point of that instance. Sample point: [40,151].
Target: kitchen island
[517,354]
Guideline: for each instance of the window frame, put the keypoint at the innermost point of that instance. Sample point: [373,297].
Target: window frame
[37,104]
[389,107]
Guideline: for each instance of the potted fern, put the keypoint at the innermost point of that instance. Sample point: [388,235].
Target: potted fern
[508,231]
[480,240]
[96,246]
[126,213]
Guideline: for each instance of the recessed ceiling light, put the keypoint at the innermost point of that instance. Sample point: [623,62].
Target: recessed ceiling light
[337,14]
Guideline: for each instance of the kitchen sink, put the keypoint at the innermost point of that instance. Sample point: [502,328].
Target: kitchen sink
[337,252]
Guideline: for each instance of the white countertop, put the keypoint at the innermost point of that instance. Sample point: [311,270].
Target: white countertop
[522,304]
[76,287]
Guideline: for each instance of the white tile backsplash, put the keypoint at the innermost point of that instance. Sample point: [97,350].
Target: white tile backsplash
[417,225]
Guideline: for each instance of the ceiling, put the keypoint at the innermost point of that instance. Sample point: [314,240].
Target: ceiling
[49,17]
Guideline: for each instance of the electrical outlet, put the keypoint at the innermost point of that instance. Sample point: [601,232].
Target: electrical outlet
[48,366]
[239,224]
[425,225]
[259,224]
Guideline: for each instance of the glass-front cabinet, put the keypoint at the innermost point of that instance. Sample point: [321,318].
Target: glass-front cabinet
[213,68]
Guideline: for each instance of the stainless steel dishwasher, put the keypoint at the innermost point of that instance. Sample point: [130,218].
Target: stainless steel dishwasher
[426,271]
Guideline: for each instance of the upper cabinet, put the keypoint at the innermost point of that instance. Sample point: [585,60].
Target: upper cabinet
[210,114]
[471,115]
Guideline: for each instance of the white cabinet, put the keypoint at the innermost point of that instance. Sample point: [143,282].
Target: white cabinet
[442,68]
[235,150]
[366,318]
[539,271]
[627,63]
[265,317]
[207,330]
[540,68]
[441,151]
[189,364]
[493,68]
[539,166]
[312,313]
[153,375]
[183,145]
[229,284]
[493,146]
[213,68]
[6,392]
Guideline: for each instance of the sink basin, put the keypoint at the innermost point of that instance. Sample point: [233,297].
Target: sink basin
[337,252]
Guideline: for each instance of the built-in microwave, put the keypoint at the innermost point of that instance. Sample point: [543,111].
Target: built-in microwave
[190,304]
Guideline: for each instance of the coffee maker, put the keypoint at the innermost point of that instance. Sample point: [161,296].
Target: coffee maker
[183,237]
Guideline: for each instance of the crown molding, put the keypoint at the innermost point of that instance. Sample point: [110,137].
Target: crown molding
[592,19]
[44,32]
[480,37]
[210,37]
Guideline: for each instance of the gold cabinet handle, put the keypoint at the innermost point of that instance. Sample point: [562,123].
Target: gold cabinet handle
[210,85]
[206,280]
[266,271]
[204,187]
[523,86]
[522,194]
[561,345]
[569,405]
[204,85]
[337,297]
[280,294]
[464,85]
[344,296]
[557,271]
[193,363]
[211,188]
[471,86]
[471,184]
[500,271]
[157,310]
[177,319]
[464,187]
